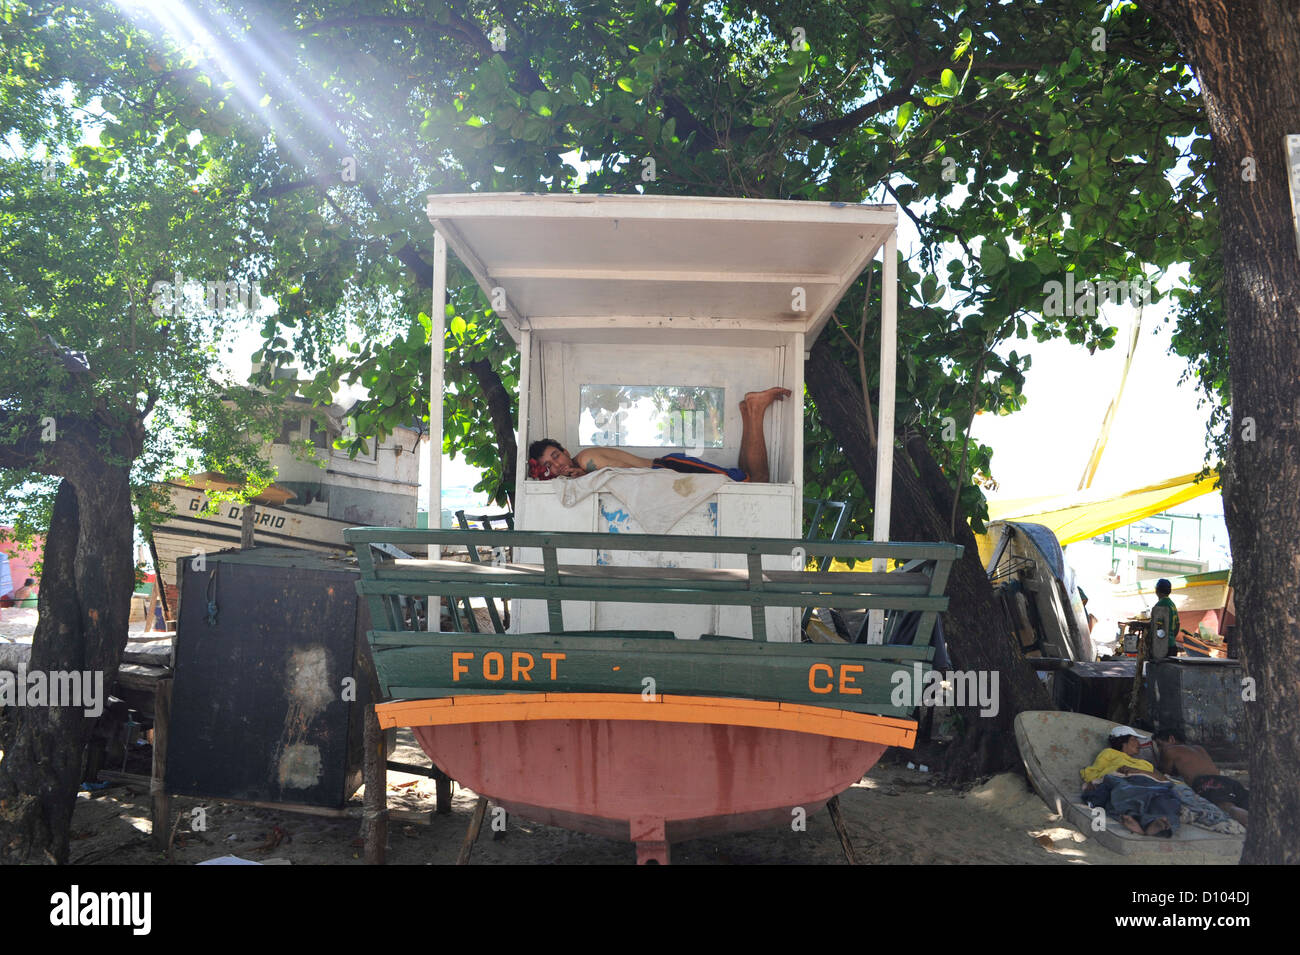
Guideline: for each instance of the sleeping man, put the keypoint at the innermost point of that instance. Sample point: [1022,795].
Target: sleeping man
[552,460]
[1194,764]
[1147,801]
[1130,787]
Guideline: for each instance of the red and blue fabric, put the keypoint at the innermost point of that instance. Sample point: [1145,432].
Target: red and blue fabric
[689,465]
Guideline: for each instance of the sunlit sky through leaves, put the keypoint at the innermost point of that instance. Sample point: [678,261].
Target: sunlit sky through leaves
[1042,449]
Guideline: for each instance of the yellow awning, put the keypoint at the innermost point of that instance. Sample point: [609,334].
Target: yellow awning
[1084,514]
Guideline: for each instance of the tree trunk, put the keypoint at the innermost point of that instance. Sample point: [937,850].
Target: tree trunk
[247,526]
[1246,56]
[503,423]
[85,604]
[977,636]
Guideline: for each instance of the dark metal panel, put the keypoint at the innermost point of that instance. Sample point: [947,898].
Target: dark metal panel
[268,693]
[1202,700]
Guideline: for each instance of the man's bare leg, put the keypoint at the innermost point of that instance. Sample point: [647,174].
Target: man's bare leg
[753,446]
[1235,811]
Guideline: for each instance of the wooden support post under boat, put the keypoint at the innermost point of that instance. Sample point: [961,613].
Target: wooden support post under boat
[441,781]
[160,585]
[160,808]
[651,838]
[841,830]
[151,605]
[374,826]
[471,834]
[442,785]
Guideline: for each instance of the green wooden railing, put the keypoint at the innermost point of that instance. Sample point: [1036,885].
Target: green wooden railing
[413,664]
[917,585]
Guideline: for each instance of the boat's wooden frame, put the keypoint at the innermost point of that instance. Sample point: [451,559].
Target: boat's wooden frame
[516,716]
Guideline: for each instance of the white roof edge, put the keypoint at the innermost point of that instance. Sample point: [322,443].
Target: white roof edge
[488,205]
[447,212]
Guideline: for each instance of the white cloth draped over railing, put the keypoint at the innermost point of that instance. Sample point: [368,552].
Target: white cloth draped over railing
[656,498]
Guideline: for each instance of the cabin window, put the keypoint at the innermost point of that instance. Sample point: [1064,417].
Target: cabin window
[317,435]
[370,451]
[651,416]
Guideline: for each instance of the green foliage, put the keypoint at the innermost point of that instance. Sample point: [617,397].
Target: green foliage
[1022,150]
[103,203]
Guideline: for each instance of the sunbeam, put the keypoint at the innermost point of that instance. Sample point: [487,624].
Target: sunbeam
[230,55]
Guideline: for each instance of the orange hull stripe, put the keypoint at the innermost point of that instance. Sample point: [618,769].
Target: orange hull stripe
[764,714]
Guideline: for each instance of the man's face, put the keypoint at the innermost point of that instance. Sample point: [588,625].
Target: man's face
[555,460]
[1131,745]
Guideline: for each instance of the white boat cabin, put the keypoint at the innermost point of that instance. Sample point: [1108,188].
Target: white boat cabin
[642,321]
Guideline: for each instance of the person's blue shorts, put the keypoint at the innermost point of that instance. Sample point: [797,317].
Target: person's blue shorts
[689,465]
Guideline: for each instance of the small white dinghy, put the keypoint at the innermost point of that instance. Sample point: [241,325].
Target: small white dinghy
[1055,746]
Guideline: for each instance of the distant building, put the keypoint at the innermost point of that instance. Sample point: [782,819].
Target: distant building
[20,561]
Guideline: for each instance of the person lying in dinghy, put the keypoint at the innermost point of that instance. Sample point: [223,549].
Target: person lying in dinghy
[1139,794]
[1194,764]
[1131,788]
[548,459]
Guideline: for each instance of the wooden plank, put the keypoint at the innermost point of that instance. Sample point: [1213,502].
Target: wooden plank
[160,801]
[433,694]
[374,828]
[639,579]
[554,610]
[471,834]
[837,820]
[678,709]
[294,807]
[380,611]
[422,570]
[858,550]
[474,558]
[757,612]
[417,817]
[774,596]
[731,648]
[574,667]
[442,792]
[938,584]
[419,638]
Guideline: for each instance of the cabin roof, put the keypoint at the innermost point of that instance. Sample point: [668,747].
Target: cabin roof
[570,262]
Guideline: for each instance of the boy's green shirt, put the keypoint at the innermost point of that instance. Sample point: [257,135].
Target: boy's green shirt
[1173,621]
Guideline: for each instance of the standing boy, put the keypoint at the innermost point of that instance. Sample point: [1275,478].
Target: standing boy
[1166,613]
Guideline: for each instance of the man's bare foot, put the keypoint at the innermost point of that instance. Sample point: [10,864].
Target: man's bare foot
[756,402]
[1157,826]
[1132,825]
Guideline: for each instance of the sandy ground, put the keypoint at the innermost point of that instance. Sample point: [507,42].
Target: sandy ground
[17,622]
[894,816]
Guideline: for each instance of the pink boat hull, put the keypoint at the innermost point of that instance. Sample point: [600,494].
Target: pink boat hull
[648,782]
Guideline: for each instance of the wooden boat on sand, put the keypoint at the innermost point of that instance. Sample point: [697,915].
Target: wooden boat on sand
[308,507]
[655,687]
[1205,597]
[641,735]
